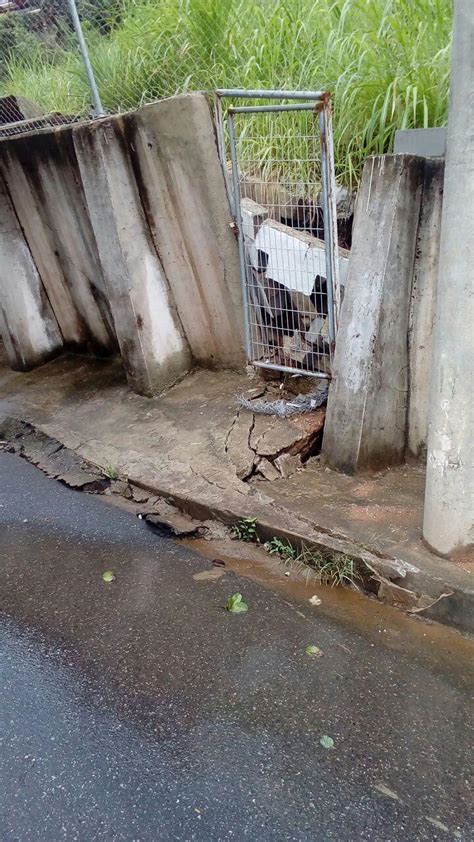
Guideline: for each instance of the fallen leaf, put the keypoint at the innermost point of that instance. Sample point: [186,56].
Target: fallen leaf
[326,742]
[437,824]
[236,605]
[386,791]
[313,651]
[315,600]
[108,576]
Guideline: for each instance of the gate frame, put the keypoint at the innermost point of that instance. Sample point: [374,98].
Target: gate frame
[321,104]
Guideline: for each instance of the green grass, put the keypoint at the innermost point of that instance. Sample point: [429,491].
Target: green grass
[385,61]
[333,569]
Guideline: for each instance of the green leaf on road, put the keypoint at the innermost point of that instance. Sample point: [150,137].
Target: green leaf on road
[108,576]
[326,742]
[236,605]
[313,651]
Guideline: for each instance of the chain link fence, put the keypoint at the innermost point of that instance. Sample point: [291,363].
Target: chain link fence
[386,63]
[140,51]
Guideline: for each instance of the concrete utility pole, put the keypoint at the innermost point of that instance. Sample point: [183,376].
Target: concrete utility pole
[449,498]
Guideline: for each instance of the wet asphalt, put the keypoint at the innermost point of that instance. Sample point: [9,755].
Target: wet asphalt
[141,710]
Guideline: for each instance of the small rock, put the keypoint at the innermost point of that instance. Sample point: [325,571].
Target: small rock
[170,522]
[315,600]
[267,470]
[139,495]
[287,464]
[118,486]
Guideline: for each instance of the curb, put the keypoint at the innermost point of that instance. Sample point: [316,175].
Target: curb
[391,579]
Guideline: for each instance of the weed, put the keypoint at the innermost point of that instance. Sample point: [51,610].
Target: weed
[284,549]
[334,569]
[246,530]
[110,472]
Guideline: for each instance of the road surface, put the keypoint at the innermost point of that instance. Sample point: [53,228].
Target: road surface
[141,710]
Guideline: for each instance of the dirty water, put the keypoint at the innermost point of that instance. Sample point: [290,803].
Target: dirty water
[429,642]
[391,627]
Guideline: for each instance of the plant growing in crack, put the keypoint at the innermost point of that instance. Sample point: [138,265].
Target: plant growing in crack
[334,569]
[110,472]
[283,549]
[246,530]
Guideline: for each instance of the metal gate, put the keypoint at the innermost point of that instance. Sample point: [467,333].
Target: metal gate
[282,189]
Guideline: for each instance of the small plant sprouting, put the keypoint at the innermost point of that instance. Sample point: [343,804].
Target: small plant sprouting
[283,549]
[110,472]
[246,530]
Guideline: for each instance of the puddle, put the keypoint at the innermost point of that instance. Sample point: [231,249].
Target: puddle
[436,645]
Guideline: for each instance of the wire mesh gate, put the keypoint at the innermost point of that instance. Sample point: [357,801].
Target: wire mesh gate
[283,194]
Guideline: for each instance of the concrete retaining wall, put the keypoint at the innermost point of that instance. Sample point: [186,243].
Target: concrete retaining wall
[182,187]
[42,177]
[378,403]
[153,348]
[128,230]
[27,323]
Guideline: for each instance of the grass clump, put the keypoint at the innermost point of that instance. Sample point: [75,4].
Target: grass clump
[110,472]
[333,569]
[386,62]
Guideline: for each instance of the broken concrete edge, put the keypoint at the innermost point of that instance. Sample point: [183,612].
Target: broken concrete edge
[391,579]
[64,465]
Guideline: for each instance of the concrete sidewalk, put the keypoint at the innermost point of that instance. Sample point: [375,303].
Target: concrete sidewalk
[195,448]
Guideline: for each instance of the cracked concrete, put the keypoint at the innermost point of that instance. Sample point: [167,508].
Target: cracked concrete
[255,444]
[195,449]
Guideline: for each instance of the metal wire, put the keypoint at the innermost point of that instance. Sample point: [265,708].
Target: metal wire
[283,250]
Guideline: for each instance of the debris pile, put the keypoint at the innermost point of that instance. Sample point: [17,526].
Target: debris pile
[289,300]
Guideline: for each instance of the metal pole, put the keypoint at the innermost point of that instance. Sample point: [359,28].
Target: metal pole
[258,109]
[238,219]
[262,94]
[98,109]
[332,208]
[328,241]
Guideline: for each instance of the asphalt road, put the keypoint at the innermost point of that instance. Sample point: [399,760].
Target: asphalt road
[141,710]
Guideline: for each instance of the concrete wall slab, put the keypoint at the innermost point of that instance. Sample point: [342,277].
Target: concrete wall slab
[43,180]
[153,347]
[27,323]
[182,188]
[367,408]
[423,305]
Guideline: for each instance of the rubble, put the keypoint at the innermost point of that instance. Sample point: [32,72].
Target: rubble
[287,291]
[169,522]
[272,447]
